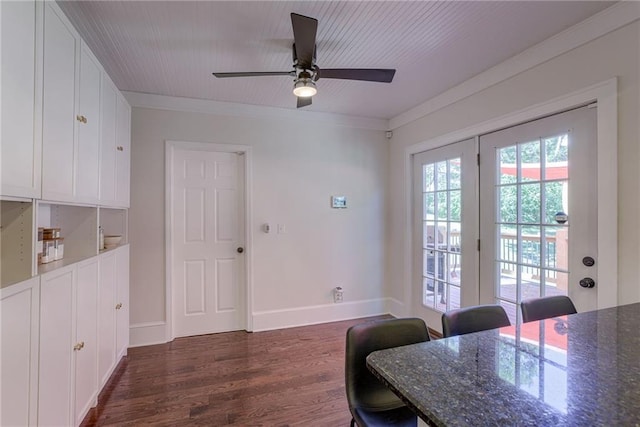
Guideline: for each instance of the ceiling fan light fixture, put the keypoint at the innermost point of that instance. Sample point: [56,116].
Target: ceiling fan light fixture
[304,87]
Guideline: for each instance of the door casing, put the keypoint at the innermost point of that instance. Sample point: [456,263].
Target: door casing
[605,94]
[245,150]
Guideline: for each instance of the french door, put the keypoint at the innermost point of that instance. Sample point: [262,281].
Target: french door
[521,224]
[538,211]
[445,219]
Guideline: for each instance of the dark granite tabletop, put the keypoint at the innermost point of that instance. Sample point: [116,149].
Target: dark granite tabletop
[577,370]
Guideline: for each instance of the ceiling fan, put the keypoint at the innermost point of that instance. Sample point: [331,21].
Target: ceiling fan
[305,71]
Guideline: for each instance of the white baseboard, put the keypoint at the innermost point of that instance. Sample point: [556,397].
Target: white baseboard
[312,315]
[396,308]
[148,333]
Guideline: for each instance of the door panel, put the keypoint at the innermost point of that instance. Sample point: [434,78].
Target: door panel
[538,210]
[58,111]
[88,161]
[207,211]
[86,379]
[445,224]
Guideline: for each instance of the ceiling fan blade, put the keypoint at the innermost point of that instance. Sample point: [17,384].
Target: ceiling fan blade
[304,38]
[364,74]
[255,74]
[303,102]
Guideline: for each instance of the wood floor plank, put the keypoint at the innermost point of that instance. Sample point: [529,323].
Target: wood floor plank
[287,377]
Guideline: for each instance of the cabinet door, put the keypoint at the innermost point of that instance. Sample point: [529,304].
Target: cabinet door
[86,341]
[88,129]
[123,154]
[61,43]
[20,146]
[19,305]
[107,317]
[122,298]
[56,348]
[108,142]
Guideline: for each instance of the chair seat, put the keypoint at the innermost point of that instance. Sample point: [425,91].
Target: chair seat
[399,417]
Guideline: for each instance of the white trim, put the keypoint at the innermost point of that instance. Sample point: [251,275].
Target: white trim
[610,19]
[605,94]
[172,103]
[248,232]
[396,308]
[147,333]
[316,314]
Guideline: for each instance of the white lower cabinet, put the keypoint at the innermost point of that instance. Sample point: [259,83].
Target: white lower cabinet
[63,334]
[107,317]
[86,341]
[122,304]
[19,312]
[68,344]
[113,311]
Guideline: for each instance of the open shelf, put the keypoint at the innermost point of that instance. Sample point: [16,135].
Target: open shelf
[16,241]
[114,222]
[78,226]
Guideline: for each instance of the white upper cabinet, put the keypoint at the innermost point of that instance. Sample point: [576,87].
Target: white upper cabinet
[60,95]
[88,158]
[20,144]
[66,129]
[72,114]
[115,146]
[123,151]
[108,144]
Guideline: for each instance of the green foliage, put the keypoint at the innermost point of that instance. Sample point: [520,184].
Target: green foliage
[442,181]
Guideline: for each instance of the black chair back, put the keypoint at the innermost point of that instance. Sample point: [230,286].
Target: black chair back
[546,307]
[473,319]
[365,393]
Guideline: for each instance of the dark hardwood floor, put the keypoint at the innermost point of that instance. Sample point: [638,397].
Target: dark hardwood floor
[288,377]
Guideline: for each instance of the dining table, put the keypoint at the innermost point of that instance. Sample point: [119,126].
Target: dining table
[577,370]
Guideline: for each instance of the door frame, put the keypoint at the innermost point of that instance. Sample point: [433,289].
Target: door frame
[245,150]
[606,96]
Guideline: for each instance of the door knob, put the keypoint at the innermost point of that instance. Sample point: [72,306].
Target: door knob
[240,250]
[587,282]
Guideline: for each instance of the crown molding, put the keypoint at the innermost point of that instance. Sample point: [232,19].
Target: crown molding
[610,19]
[172,103]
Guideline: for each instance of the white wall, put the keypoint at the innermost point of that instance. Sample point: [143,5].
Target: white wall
[297,166]
[616,54]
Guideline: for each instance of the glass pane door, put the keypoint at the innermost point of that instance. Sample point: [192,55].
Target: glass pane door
[531,207]
[445,221]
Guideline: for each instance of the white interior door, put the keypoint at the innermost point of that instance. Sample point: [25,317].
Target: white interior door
[538,213]
[207,258]
[446,230]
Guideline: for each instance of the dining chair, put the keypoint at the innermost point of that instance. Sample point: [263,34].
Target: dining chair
[473,319]
[371,403]
[546,307]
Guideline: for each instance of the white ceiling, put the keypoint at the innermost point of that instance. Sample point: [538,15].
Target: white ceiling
[172,47]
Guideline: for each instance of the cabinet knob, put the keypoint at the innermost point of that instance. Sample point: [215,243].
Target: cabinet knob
[84,119]
[119,306]
[79,346]
[120,148]
[79,118]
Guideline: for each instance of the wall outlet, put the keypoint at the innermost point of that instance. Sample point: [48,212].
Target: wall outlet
[337,294]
